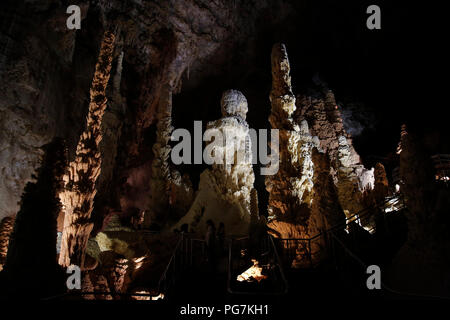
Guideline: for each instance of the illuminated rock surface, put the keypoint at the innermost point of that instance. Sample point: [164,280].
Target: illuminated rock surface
[224,190]
[78,197]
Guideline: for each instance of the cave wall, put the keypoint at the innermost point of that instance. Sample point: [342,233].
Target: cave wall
[46,71]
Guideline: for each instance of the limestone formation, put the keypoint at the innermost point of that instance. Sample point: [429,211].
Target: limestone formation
[224,191]
[6,227]
[290,189]
[302,196]
[347,177]
[351,178]
[80,181]
[417,186]
[169,190]
[324,117]
[159,183]
[32,244]
[381,188]
[112,123]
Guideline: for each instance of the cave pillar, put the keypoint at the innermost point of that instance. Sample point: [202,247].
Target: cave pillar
[80,181]
[290,189]
[224,193]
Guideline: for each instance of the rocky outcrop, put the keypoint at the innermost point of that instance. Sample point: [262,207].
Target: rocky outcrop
[80,181]
[224,191]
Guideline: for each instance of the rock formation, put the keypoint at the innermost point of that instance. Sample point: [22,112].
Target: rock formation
[6,227]
[224,191]
[381,187]
[324,116]
[302,196]
[418,187]
[350,178]
[80,188]
[290,189]
[32,245]
[169,190]
[34,90]
[427,245]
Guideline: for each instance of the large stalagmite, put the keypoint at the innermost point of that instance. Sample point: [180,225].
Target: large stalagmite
[80,189]
[224,191]
[302,197]
[291,188]
[171,193]
[323,114]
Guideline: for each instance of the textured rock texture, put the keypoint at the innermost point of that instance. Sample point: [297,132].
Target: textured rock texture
[80,182]
[324,116]
[302,196]
[37,50]
[292,185]
[6,227]
[169,189]
[290,189]
[46,71]
[224,190]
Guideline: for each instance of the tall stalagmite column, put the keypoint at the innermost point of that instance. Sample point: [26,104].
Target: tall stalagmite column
[172,194]
[80,190]
[159,183]
[292,186]
[224,190]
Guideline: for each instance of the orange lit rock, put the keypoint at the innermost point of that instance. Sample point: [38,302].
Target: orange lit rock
[6,227]
[78,196]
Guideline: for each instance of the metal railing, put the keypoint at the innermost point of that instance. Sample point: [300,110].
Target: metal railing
[441,164]
[187,253]
[307,252]
[240,251]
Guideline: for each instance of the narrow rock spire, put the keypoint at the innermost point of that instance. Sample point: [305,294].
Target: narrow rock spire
[80,189]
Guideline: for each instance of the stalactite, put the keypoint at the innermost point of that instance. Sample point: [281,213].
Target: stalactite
[80,189]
